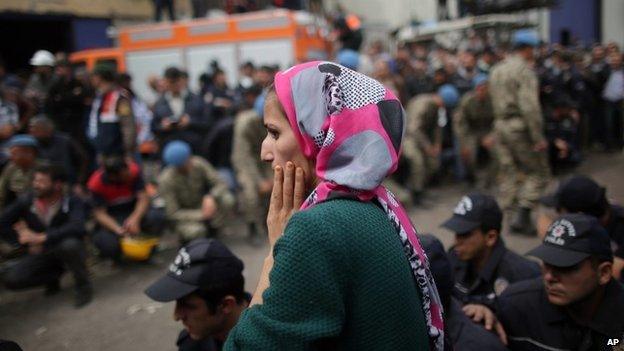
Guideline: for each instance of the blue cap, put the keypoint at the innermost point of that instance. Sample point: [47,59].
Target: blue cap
[23,140]
[259,104]
[449,95]
[176,153]
[349,58]
[479,79]
[525,37]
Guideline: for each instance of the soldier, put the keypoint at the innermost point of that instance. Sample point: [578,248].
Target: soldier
[521,145]
[254,176]
[473,124]
[197,200]
[111,129]
[16,177]
[427,117]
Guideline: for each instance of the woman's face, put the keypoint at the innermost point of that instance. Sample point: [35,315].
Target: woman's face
[280,145]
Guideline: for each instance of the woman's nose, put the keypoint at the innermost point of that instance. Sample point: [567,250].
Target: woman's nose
[266,154]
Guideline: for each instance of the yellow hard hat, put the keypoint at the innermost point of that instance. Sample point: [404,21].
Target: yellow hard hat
[138,249]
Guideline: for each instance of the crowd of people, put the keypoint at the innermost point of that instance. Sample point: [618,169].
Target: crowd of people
[86,161]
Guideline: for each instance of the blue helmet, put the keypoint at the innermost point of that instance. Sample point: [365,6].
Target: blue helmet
[23,140]
[449,95]
[176,153]
[348,58]
[525,37]
[479,79]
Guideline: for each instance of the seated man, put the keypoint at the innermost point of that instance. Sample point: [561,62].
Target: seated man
[206,281]
[197,200]
[51,224]
[580,194]
[482,265]
[121,205]
[562,133]
[16,177]
[576,304]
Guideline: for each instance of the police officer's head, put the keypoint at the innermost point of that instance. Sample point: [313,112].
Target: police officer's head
[577,258]
[476,222]
[579,194]
[23,150]
[207,283]
[102,74]
[481,86]
[48,181]
[177,154]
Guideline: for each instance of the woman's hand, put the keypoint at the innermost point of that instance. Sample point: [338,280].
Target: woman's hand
[286,198]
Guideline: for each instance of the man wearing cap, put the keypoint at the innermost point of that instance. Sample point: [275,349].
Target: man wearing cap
[576,304]
[483,266]
[427,118]
[473,124]
[197,200]
[121,206]
[112,128]
[521,145]
[581,194]
[206,281]
[50,224]
[180,114]
[252,174]
[16,177]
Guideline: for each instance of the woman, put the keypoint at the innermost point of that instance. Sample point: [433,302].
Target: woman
[348,271]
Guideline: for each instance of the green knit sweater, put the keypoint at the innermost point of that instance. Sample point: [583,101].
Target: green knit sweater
[340,281]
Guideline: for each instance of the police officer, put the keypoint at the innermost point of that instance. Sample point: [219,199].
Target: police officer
[473,124]
[521,145]
[482,265]
[581,194]
[576,304]
[427,118]
[206,281]
[254,176]
[461,332]
[197,200]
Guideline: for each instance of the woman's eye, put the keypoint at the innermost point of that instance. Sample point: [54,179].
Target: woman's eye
[274,134]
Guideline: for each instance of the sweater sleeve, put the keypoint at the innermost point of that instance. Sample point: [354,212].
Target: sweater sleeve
[304,304]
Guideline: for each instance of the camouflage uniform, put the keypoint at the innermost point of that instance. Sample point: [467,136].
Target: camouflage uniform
[184,193]
[422,132]
[249,168]
[14,181]
[473,121]
[518,127]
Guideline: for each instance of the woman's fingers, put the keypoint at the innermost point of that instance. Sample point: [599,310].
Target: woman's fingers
[299,188]
[276,194]
[289,186]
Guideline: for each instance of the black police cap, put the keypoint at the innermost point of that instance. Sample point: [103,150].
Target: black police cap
[473,211]
[578,194]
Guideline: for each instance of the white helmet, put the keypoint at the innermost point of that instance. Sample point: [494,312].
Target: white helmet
[42,58]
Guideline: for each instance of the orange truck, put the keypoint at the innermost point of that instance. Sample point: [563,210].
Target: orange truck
[270,37]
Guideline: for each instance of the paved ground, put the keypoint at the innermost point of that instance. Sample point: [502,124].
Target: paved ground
[122,318]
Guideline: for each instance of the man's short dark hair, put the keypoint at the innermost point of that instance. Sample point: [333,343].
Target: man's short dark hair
[56,173]
[173,73]
[113,164]
[215,292]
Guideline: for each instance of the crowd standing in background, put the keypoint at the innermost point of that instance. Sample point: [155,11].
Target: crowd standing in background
[86,161]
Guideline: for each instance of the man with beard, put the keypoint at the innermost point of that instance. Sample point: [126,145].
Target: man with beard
[51,225]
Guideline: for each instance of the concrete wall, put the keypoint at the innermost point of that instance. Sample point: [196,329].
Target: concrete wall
[612,27]
[131,9]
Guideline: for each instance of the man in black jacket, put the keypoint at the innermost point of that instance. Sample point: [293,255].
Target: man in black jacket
[51,225]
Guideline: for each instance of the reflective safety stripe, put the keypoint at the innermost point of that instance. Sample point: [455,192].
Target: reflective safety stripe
[152,34]
[264,23]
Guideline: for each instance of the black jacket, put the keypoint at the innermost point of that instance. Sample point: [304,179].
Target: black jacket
[69,221]
[533,323]
[199,113]
[502,268]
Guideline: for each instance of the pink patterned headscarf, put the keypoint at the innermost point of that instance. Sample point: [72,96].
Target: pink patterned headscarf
[352,126]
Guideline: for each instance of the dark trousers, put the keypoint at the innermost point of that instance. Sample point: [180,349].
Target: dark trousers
[107,242]
[614,116]
[160,5]
[47,267]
